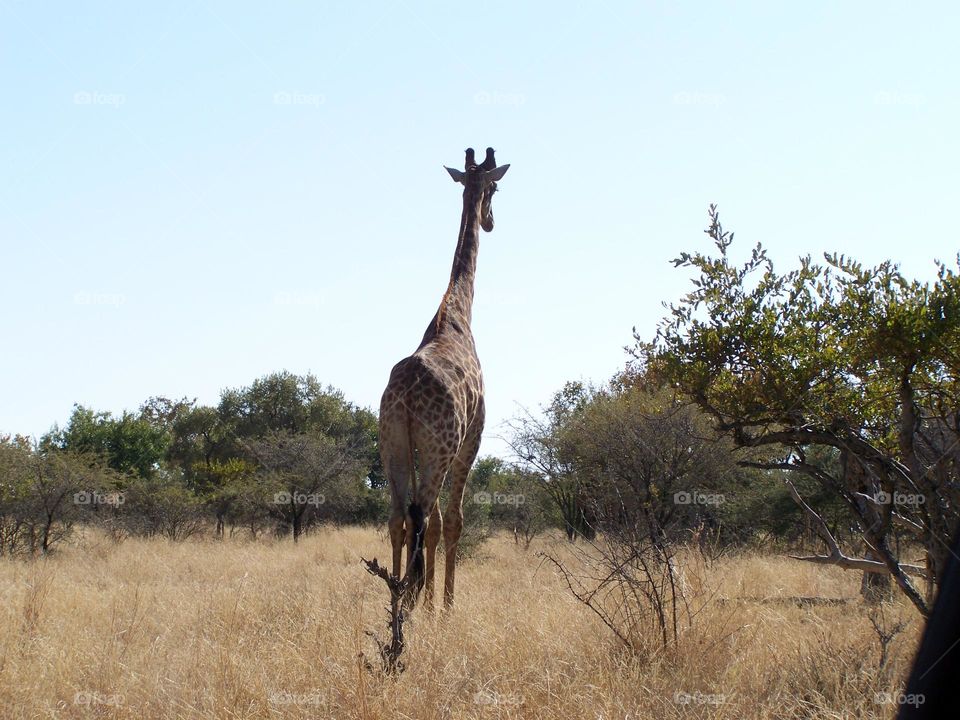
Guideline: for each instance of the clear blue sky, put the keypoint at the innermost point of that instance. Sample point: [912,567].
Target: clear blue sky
[195,194]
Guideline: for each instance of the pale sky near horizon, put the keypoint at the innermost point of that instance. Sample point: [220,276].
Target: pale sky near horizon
[195,194]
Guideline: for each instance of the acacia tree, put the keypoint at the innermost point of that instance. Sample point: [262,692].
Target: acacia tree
[859,360]
[304,477]
[130,444]
[203,448]
[646,460]
[543,454]
[649,469]
[501,495]
[213,446]
[43,491]
[15,458]
[520,504]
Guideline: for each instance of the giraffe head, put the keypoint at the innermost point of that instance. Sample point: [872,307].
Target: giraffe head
[480,181]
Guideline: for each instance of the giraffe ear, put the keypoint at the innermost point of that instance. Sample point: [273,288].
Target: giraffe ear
[457,175]
[495,174]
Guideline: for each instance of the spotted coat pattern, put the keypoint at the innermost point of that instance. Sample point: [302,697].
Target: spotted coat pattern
[432,411]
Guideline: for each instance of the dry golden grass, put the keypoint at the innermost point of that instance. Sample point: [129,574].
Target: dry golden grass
[151,629]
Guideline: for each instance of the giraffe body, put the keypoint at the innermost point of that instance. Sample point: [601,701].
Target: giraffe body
[432,411]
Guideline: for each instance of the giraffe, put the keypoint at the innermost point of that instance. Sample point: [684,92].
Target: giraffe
[432,410]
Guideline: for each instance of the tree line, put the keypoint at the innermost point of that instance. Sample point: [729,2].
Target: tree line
[285,454]
[281,455]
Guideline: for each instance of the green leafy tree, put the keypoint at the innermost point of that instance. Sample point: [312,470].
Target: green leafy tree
[307,477]
[860,361]
[542,452]
[519,504]
[15,475]
[130,444]
[226,483]
[161,504]
[216,447]
[43,492]
[284,402]
[647,460]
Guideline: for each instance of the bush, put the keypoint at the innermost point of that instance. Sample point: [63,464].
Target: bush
[161,505]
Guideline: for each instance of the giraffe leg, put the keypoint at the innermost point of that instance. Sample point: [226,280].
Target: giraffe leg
[431,539]
[397,538]
[453,516]
[433,469]
[451,537]
[395,454]
[408,538]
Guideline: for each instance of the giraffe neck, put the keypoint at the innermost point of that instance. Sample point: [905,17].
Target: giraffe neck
[456,307]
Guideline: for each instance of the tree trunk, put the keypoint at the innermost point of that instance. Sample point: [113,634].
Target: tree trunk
[45,541]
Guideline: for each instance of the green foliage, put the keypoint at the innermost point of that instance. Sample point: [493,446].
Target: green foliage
[230,455]
[307,477]
[836,356]
[638,449]
[758,508]
[543,453]
[520,504]
[129,444]
[296,404]
[43,491]
[161,504]
[175,462]
[828,344]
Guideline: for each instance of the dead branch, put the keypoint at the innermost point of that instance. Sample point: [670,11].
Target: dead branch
[390,652]
[904,522]
[836,556]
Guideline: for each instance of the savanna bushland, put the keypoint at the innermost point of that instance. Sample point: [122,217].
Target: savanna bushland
[750,520]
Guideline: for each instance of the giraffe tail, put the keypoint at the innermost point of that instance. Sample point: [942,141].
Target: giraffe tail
[415,572]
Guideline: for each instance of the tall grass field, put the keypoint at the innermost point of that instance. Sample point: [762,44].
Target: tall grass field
[267,629]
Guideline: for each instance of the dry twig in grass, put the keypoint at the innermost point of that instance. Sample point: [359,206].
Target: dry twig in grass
[390,652]
[886,632]
[634,584]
